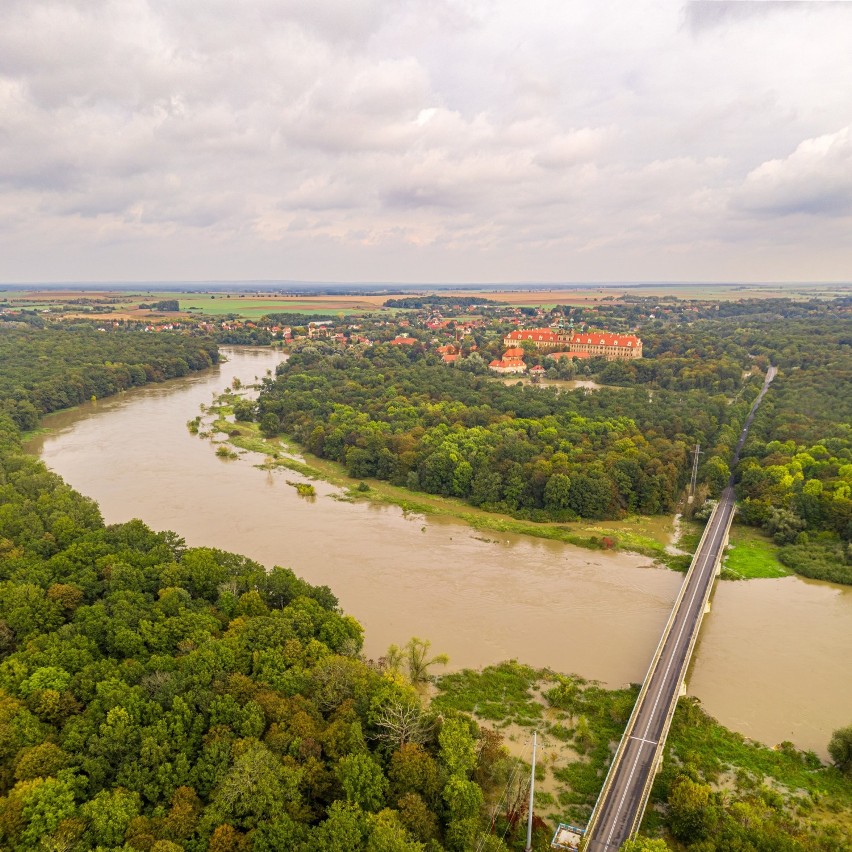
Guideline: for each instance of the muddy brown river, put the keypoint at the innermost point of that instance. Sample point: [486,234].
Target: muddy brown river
[773,659]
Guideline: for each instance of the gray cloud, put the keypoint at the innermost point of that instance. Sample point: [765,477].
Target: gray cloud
[703,15]
[815,180]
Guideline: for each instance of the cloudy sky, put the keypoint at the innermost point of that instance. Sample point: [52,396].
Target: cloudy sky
[425,140]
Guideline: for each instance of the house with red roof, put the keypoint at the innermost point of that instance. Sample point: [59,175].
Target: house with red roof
[508,365]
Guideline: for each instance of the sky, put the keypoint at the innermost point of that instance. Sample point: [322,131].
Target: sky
[425,140]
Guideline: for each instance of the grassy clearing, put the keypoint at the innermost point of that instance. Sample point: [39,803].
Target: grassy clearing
[576,722]
[752,555]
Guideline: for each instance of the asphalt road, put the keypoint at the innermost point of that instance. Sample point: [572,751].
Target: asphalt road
[618,813]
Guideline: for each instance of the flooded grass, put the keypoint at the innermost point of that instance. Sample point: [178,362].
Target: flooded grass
[698,739]
[576,722]
[648,536]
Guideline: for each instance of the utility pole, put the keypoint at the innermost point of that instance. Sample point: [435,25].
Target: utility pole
[528,847]
[694,473]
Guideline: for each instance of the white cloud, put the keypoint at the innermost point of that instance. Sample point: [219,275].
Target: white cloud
[371,139]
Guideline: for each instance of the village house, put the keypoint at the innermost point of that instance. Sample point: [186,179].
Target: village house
[508,365]
[320,328]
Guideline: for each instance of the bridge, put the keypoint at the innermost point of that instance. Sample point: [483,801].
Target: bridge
[625,793]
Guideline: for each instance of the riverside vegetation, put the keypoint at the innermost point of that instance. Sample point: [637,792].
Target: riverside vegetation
[544,455]
[159,697]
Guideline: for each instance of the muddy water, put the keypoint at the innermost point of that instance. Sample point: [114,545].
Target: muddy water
[773,660]
[479,597]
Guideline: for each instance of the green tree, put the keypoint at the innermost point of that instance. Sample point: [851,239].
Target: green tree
[413,770]
[362,780]
[458,747]
[557,492]
[257,788]
[109,814]
[418,662]
[44,803]
[692,813]
[343,830]
[840,749]
[388,834]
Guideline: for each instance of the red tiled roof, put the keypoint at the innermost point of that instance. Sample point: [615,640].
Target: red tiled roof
[507,362]
[517,352]
[542,335]
[403,341]
[603,338]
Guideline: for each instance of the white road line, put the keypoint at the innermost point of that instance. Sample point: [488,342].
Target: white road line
[641,740]
[699,584]
[626,789]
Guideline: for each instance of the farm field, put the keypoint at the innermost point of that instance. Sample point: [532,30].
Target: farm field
[123,302]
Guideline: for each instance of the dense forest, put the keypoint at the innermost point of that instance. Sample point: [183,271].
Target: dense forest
[159,697]
[795,475]
[532,452]
[48,369]
[794,478]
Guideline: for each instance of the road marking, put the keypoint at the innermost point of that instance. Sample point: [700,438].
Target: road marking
[699,584]
[626,789]
[641,740]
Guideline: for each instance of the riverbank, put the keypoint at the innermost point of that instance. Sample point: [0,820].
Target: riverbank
[645,535]
[489,597]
